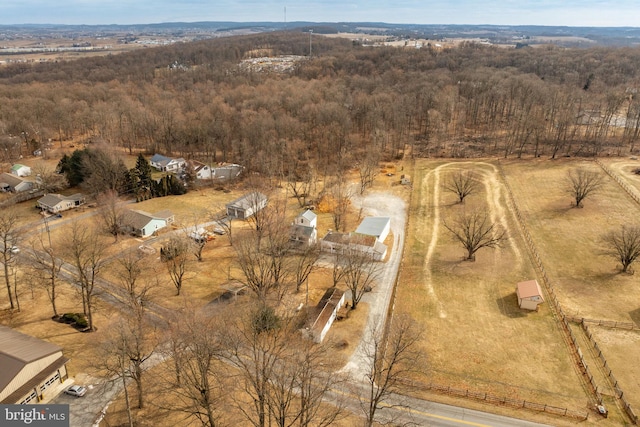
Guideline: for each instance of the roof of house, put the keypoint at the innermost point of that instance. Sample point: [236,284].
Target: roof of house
[139,219]
[18,350]
[529,289]
[249,200]
[160,159]
[10,179]
[373,225]
[227,171]
[196,165]
[309,215]
[325,308]
[50,199]
[54,199]
[301,231]
[18,166]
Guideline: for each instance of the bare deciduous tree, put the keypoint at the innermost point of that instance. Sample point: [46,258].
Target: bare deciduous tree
[304,261]
[623,245]
[47,179]
[175,254]
[462,184]
[476,231]
[87,250]
[45,266]
[197,348]
[368,168]
[390,358]
[8,240]
[111,212]
[359,271]
[581,183]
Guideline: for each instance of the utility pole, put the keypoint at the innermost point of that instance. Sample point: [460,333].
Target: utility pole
[310,32]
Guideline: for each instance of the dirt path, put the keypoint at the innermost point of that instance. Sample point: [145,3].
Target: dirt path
[494,190]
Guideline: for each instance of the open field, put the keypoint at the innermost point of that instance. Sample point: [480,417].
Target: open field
[476,337]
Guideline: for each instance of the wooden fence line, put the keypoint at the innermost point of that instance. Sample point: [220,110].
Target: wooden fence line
[555,304]
[612,379]
[498,400]
[619,180]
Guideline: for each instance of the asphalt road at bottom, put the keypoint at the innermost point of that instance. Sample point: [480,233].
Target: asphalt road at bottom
[403,410]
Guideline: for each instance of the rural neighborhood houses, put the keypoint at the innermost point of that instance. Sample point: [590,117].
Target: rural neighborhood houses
[144,224]
[247,205]
[167,164]
[14,184]
[31,368]
[54,203]
[20,170]
[529,295]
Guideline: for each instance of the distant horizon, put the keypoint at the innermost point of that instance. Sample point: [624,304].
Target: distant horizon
[27,24]
[544,13]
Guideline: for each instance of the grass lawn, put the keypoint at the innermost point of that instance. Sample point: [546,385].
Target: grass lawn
[475,336]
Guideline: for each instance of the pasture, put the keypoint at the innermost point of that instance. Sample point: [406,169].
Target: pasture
[475,335]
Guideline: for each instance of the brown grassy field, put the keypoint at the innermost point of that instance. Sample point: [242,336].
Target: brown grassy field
[476,337]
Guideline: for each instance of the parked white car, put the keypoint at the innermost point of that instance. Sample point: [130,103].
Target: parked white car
[76,390]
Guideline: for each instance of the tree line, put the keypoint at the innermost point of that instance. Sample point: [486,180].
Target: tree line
[332,108]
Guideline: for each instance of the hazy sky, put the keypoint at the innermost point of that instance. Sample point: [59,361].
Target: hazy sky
[615,13]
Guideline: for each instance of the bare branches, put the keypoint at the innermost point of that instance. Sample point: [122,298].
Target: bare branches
[388,361]
[8,242]
[623,245]
[462,184]
[581,183]
[476,231]
[175,254]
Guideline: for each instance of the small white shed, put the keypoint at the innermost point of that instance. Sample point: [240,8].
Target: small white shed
[529,295]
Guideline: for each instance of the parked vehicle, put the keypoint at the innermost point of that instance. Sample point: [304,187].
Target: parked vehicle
[76,390]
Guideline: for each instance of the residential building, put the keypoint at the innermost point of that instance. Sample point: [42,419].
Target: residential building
[167,164]
[144,224]
[20,170]
[324,314]
[54,203]
[14,184]
[31,368]
[247,205]
[303,229]
[375,226]
[335,242]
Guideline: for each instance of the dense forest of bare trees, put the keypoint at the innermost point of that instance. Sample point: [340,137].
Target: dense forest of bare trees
[465,101]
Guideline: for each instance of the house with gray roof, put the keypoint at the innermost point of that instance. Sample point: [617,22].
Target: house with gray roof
[303,230]
[55,203]
[376,226]
[31,368]
[247,205]
[14,183]
[167,164]
[144,224]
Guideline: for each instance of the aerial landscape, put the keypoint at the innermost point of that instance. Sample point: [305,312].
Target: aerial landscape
[319,214]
